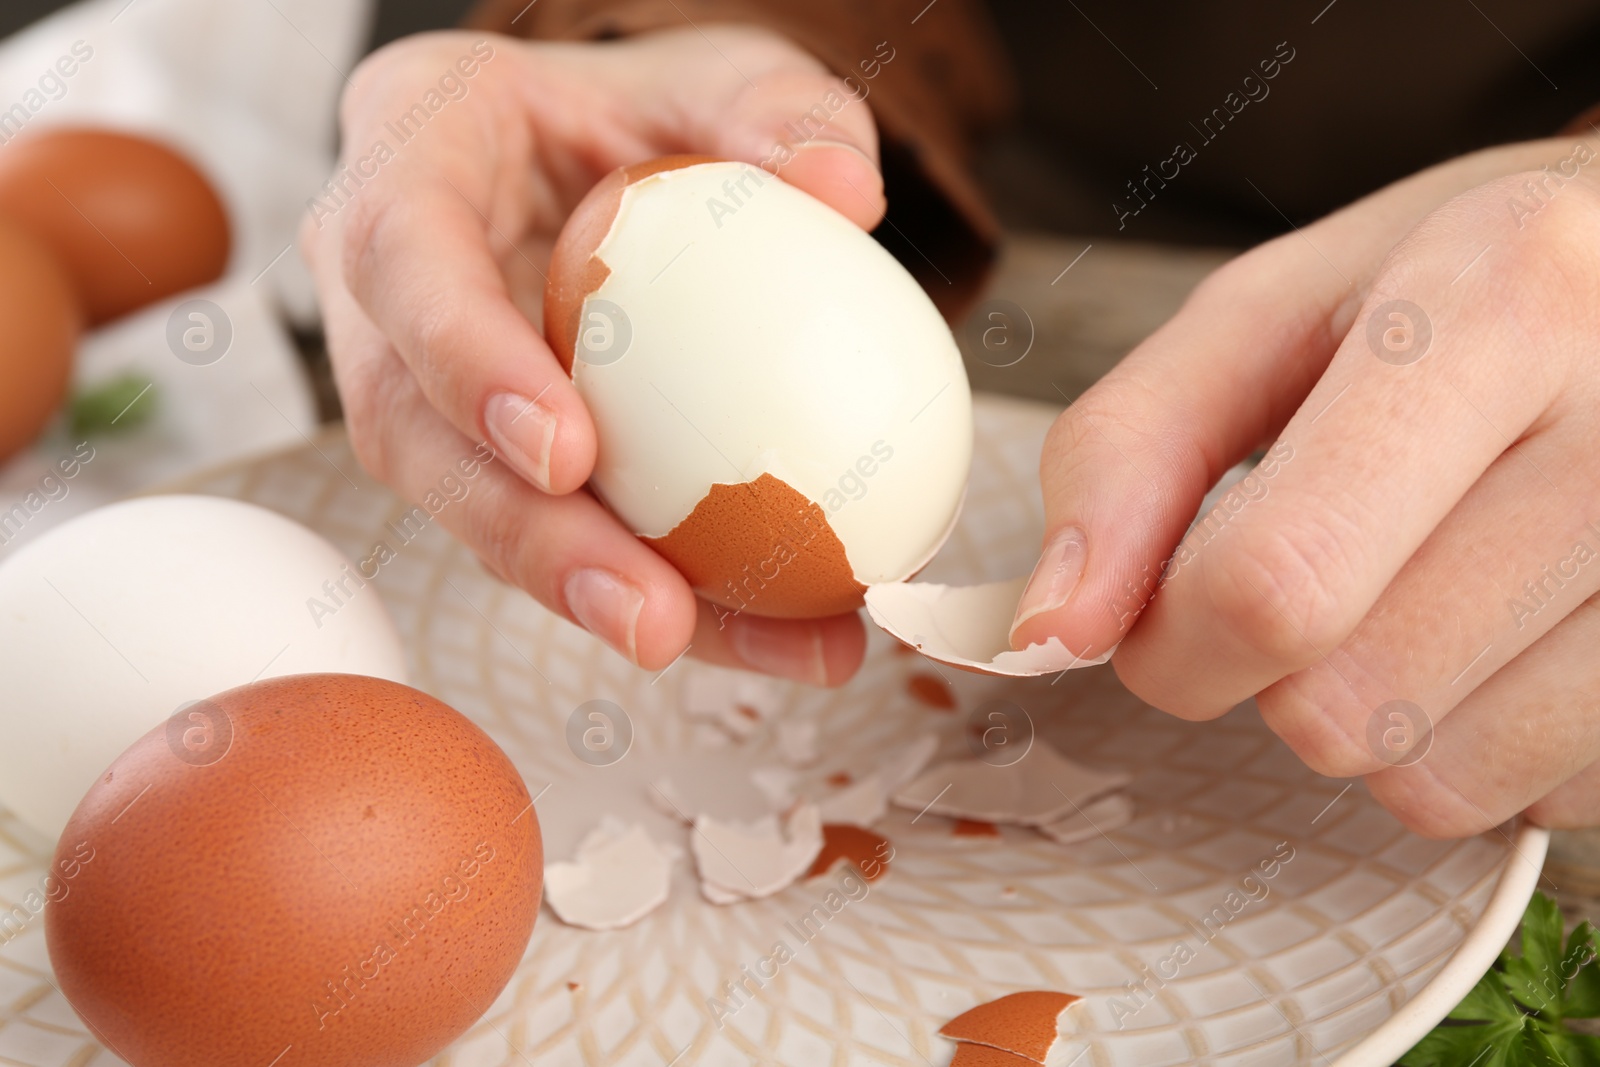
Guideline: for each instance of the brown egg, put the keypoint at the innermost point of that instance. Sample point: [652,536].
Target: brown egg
[39,323]
[132,220]
[320,870]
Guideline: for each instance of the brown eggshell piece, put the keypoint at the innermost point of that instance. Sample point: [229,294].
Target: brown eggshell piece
[974,828]
[763,547]
[39,324]
[970,1055]
[931,690]
[575,270]
[331,869]
[131,219]
[856,845]
[1023,1024]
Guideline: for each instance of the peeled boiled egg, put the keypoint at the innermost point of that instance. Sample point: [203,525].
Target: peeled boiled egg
[111,621]
[782,412]
[312,871]
[132,220]
[39,323]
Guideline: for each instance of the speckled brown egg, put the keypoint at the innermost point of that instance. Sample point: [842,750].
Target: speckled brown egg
[132,220]
[320,870]
[39,323]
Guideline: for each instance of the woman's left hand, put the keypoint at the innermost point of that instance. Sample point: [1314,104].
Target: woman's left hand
[1407,584]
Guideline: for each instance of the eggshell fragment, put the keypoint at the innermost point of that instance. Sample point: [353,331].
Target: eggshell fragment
[713,786]
[1023,1024]
[619,876]
[931,690]
[968,627]
[797,742]
[842,843]
[863,801]
[750,860]
[975,828]
[776,784]
[857,804]
[1094,819]
[736,701]
[770,523]
[970,1055]
[1041,787]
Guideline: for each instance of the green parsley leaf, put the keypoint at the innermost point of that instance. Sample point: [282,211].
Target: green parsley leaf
[1516,1015]
[1541,938]
[1489,1002]
[1493,1045]
[1583,987]
[111,406]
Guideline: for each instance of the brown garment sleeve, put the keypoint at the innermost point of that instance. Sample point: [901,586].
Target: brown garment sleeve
[941,81]
[1584,123]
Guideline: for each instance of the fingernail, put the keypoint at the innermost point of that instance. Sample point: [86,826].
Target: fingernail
[606,606]
[776,647]
[1055,576]
[822,142]
[524,433]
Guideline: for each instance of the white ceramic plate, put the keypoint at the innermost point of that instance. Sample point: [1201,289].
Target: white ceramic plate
[1356,947]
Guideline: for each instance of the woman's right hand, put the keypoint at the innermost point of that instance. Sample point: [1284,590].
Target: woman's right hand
[463,155]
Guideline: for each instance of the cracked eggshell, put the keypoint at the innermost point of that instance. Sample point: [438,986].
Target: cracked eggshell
[750,860]
[863,801]
[619,875]
[737,701]
[1091,820]
[970,626]
[782,412]
[1041,787]
[1024,1024]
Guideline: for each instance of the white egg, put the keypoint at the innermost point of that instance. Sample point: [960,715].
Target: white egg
[740,329]
[111,622]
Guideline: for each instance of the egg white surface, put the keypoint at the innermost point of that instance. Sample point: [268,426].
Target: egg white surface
[769,334]
[112,621]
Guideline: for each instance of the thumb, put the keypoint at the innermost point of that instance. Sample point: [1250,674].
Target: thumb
[1126,466]
[769,103]
[809,128]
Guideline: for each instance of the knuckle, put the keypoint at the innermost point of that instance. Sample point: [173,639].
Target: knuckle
[367,439]
[366,393]
[398,59]
[507,544]
[1428,806]
[1278,589]
[1121,412]
[1241,274]
[1314,719]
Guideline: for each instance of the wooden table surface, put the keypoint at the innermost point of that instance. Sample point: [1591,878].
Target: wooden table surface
[1083,311]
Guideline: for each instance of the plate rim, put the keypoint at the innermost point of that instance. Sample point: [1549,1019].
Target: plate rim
[1396,1035]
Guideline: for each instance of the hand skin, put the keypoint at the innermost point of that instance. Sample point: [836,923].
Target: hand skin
[1413,501]
[430,277]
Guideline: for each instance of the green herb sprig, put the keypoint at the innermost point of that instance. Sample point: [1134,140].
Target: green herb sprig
[1517,1014]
